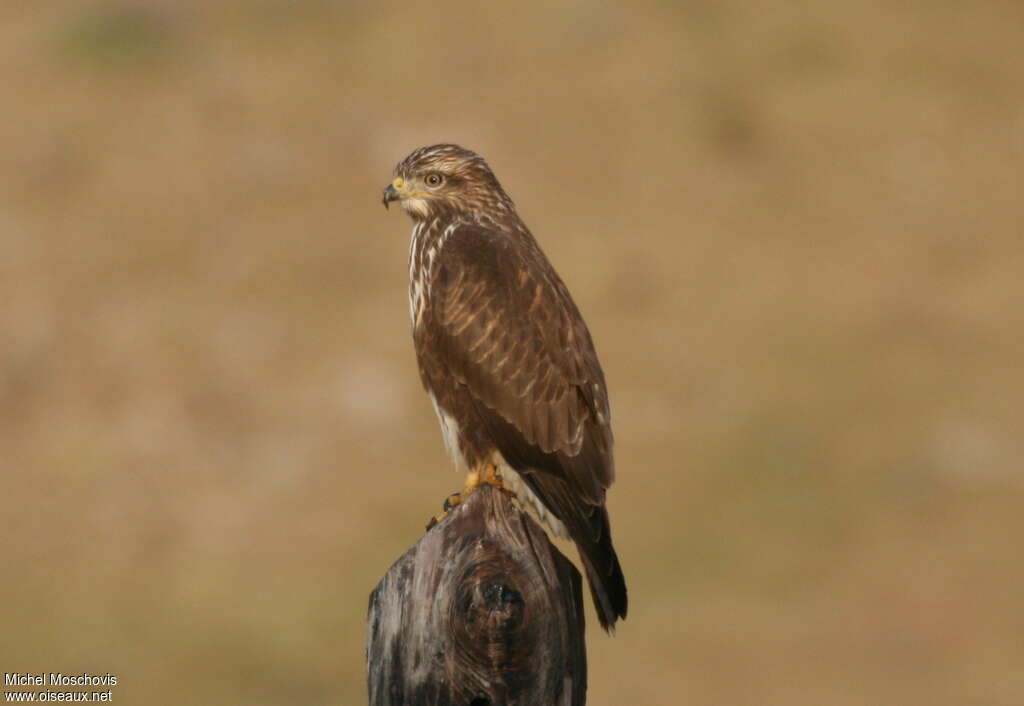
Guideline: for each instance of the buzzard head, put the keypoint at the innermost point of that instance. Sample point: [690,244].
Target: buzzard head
[446,180]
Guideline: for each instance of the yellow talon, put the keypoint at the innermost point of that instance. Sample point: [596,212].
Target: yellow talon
[490,475]
[436,519]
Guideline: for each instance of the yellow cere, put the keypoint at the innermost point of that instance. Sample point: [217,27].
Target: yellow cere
[398,182]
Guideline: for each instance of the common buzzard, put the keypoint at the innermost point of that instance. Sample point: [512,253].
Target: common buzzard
[506,358]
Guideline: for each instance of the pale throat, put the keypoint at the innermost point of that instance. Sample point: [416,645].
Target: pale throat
[416,206]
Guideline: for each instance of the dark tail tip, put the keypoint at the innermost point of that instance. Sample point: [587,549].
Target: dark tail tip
[607,582]
[609,594]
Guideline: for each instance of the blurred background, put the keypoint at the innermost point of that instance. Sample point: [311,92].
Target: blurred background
[795,230]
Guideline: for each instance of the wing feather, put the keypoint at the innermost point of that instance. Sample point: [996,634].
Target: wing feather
[512,334]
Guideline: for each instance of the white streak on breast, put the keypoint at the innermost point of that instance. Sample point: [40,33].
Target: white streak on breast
[423,253]
[415,281]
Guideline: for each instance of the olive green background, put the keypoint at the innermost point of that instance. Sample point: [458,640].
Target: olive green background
[796,230]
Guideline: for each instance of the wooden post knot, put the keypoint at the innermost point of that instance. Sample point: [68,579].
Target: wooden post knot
[501,598]
[483,611]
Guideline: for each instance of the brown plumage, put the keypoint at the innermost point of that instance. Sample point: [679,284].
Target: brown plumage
[506,356]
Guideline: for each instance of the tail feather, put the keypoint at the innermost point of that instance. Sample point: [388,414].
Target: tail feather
[588,527]
[572,490]
[604,574]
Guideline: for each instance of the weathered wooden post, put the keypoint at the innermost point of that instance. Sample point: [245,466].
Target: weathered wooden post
[482,611]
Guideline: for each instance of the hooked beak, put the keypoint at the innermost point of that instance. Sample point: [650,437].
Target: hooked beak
[391,191]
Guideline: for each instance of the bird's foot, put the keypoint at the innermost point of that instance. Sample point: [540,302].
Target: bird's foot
[492,476]
[472,482]
[450,503]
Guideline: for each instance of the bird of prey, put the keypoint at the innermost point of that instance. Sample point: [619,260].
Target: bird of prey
[506,357]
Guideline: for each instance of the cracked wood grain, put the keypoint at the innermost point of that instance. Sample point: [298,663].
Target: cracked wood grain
[482,611]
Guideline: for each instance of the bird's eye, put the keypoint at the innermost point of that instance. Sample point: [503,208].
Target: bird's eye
[434,179]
